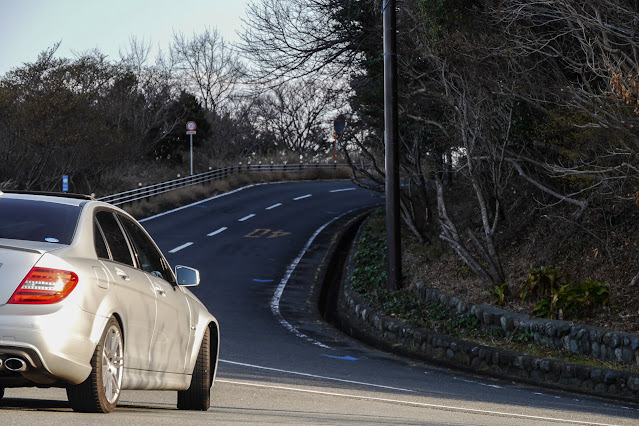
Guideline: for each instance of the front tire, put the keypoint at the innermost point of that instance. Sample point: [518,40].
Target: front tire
[198,395]
[100,392]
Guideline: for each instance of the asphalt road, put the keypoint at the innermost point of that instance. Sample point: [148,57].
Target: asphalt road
[279,369]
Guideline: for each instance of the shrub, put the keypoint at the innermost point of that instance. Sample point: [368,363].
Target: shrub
[541,282]
[562,298]
[574,300]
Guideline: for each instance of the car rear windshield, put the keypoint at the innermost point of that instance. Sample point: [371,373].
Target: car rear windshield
[37,220]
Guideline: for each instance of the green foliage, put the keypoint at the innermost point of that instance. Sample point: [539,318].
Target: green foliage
[446,15]
[496,332]
[399,304]
[467,322]
[370,273]
[568,130]
[523,337]
[499,292]
[574,300]
[560,297]
[540,282]
[187,108]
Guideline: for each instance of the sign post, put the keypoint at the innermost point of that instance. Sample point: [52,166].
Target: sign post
[65,183]
[339,124]
[190,130]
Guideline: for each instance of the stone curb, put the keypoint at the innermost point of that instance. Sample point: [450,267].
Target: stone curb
[599,343]
[360,321]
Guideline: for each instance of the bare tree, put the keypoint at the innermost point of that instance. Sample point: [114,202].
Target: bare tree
[295,38]
[296,113]
[580,59]
[211,67]
[145,98]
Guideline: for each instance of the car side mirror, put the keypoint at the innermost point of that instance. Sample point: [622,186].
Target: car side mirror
[187,277]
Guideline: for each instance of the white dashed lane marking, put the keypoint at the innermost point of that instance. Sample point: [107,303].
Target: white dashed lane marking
[222,229]
[250,216]
[342,190]
[183,246]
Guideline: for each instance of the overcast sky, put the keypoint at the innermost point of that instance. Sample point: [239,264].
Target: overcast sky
[27,27]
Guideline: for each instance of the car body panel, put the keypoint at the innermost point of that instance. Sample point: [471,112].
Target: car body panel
[136,305]
[64,353]
[172,327]
[15,264]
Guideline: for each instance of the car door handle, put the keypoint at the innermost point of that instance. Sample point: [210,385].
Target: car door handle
[122,275]
[160,291]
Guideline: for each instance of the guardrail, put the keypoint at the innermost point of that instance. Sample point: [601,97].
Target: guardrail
[163,187]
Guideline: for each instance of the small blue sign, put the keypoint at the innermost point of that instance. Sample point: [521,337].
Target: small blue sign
[65,183]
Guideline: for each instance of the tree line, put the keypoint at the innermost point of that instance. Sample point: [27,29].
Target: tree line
[512,110]
[88,116]
[530,109]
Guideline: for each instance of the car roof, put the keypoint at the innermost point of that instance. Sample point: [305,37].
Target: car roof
[51,197]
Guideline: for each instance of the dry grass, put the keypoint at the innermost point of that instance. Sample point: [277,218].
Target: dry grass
[186,195]
[531,239]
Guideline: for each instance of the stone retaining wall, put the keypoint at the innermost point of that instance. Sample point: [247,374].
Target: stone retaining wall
[599,343]
[395,335]
[357,318]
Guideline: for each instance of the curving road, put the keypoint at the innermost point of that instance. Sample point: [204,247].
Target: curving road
[280,368]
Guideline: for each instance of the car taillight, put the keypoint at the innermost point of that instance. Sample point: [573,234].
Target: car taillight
[44,286]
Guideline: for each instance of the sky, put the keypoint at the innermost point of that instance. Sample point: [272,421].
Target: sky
[27,27]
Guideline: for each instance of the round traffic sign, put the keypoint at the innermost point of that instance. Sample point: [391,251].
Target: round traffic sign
[191,126]
[339,124]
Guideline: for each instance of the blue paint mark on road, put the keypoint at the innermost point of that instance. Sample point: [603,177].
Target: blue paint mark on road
[345,358]
[257,280]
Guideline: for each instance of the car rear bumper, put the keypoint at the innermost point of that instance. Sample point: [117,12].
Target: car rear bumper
[56,347]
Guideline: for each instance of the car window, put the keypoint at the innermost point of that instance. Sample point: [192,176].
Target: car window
[98,240]
[149,257]
[38,220]
[115,239]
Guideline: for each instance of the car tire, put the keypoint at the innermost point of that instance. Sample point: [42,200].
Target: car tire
[198,395]
[100,392]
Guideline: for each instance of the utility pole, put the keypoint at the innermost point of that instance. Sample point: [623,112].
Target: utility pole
[391,137]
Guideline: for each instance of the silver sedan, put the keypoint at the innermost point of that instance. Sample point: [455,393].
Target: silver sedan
[89,303]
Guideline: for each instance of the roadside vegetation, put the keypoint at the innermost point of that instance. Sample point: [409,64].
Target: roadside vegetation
[519,139]
[368,279]
[519,133]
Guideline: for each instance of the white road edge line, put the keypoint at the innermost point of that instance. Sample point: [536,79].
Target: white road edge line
[183,246]
[342,190]
[277,296]
[202,201]
[222,229]
[302,197]
[246,218]
[273,206]
[417,404]
[297,373]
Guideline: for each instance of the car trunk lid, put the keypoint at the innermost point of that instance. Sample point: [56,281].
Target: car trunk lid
[16,260]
